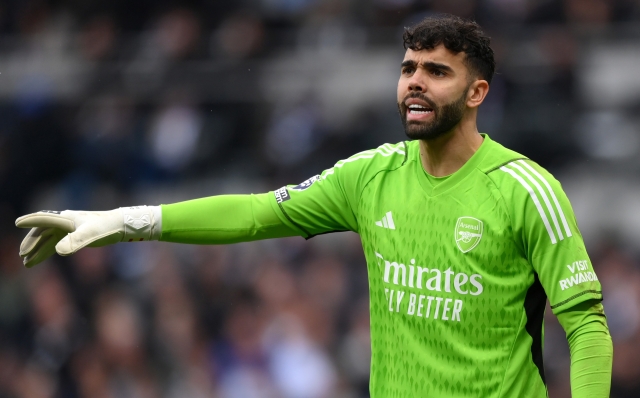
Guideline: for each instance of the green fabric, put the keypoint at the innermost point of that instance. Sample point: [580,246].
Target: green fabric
[459,272]
[591,349]
[434,181]
[222,219]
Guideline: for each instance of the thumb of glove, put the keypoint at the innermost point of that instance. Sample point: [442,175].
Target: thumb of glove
[86,236]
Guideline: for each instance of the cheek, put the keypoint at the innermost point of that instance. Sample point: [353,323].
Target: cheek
[445,93]
[402,89]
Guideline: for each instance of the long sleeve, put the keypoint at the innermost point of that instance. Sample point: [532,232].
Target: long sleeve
[591,349]
[223,219]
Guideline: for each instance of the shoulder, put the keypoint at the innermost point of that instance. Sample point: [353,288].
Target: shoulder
[509,170]
[367,164]
[497,156]
[532,193]
[519,175]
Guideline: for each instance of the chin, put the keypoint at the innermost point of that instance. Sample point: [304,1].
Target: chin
[414,133]
[423,132]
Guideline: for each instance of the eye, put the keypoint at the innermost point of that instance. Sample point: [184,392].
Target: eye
[407,70]
[438,73]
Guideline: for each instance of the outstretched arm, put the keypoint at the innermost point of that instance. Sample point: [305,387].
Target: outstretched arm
[318,205]
[212,220]
[222,219]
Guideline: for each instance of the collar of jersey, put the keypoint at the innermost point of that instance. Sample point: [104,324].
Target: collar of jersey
[454,178]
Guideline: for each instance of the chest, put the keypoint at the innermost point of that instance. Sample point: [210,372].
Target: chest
[466,228]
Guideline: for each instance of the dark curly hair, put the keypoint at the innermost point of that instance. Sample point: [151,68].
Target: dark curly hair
[457,35]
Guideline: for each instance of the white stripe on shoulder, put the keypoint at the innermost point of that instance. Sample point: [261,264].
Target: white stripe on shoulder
[397,148]
[553,196]
[535,201]
[384,150]
[544,197]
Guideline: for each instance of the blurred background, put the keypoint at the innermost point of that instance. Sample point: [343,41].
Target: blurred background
[113,103]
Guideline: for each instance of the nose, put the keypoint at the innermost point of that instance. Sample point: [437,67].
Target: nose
[416,83]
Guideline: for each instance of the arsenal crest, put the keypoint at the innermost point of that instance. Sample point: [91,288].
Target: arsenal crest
[468,233]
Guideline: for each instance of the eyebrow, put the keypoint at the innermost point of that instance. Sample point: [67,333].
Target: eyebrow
[427,65]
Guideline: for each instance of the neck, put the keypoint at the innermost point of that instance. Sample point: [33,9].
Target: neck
[446,154]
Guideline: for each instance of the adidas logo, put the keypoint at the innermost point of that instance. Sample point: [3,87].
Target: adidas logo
[386,222]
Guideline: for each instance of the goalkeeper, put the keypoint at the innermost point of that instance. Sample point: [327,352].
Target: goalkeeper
[465,240]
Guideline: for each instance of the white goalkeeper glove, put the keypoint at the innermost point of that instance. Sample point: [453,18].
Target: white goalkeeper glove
[68,231]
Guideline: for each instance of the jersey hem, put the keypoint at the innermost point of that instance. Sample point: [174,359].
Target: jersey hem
[575,296]
[291,220]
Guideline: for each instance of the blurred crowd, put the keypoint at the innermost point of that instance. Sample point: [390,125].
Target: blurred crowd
[113,103]
[272,319]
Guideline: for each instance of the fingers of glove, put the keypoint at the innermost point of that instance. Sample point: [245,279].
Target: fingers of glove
[84,237]
[46,220]
[37,237]
[31,240]
[45,249]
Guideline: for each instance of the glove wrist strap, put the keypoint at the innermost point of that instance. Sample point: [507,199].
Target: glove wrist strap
[141,223]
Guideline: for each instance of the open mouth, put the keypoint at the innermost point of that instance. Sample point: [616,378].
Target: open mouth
[416,109]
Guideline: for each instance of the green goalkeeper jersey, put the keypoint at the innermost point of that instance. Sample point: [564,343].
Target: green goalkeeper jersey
[459,269]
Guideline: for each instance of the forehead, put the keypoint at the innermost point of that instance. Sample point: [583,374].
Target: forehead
[438,54]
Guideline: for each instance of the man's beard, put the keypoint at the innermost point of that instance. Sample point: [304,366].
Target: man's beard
[445,118]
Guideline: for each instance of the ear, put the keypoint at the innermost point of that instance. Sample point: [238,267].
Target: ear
[477,92]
